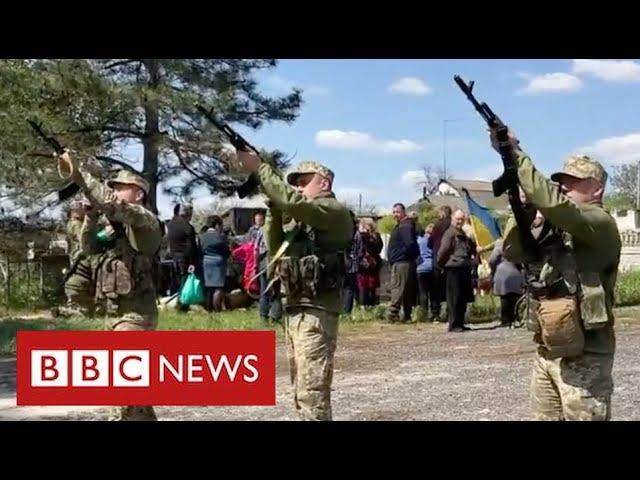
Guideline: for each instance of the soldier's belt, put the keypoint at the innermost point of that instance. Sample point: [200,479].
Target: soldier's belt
[557,290]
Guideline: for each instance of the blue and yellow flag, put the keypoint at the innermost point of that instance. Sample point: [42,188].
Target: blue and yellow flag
[485,227]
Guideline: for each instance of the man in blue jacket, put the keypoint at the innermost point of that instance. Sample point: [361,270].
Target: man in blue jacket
[429,293]
[402,254]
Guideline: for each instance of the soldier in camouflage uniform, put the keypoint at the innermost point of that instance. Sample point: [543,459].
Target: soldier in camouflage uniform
[307,232]
[573,321]
[77,288]
[124,287]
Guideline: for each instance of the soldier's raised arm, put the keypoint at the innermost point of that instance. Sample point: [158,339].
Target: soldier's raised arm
[103,196]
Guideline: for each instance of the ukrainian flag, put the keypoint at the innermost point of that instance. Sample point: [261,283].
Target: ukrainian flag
[485,227]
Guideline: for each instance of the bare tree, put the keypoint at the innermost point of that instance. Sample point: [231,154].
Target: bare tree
[431,179]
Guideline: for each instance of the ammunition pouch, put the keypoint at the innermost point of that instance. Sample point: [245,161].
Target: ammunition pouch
[302,279]
[593,307]
[123,277]
[561,331]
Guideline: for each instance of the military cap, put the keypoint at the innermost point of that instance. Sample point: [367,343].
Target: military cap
[128,177]
[582,167]
[306,168]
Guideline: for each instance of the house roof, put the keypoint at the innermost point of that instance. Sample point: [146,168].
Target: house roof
[481,191]
[471,185]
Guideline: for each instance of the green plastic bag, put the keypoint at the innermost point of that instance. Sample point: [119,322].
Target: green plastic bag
[103,236]
[191,292]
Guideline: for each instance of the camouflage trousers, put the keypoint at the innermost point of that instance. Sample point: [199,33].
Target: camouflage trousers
[78,291]
[572,388]
[128,323]
[311,337]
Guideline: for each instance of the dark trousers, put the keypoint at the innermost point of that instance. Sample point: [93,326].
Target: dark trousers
[350,291]
[214,299]
[439,289]
[508,308]
[403,289]
[269,306]
[182,270]
[367,296]
[429,293]
[265,297]
[459,291]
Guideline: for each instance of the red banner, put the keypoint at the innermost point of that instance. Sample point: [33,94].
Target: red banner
[146,368]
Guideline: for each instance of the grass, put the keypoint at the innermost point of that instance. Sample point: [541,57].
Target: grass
[628,289]
[484,309]
[10,326]
[197,319]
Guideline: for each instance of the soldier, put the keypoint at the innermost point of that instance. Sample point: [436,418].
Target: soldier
[574,294]
[124,286]
[78,288]
[307,253]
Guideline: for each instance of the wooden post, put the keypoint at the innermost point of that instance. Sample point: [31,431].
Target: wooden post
[8,289]
[41,280]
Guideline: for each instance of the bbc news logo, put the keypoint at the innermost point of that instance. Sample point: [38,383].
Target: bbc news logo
[146,368]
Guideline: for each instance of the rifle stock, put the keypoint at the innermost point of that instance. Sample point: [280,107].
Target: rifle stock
[250,186]
[70,189]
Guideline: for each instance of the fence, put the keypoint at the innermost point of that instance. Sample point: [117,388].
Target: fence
[32,283]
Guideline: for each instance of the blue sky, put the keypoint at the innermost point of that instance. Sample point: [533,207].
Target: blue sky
[376,123]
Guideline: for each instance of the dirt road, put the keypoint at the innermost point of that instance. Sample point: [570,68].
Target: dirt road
[397,372]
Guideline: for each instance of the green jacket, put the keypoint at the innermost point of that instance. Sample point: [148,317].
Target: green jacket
[73,228]
[330,220]
[596,240]
[138,248]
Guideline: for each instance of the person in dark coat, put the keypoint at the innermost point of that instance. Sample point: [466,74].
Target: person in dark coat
[508,284]
[402,254]
[216,252]
[183,247]
[439,279]
[455,257]
[369,262]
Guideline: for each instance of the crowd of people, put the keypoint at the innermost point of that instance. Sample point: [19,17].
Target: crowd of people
[427,268]
[212,255]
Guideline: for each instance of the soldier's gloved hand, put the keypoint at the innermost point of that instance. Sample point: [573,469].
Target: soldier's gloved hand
[248,162]
[495,143]
[67,165]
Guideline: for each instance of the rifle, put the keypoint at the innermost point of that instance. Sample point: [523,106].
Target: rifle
[71,189]
[250,186]
[508,181]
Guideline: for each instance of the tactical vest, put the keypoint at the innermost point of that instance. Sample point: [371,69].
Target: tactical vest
[561,301]
[122,272]
[306,270]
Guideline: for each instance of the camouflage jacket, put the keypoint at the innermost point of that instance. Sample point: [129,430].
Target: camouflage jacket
[327,222]
[73,231]
[133,251]
[595,238]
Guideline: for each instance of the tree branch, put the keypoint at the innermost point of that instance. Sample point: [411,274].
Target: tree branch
[108,128]
[121,62]
[115,161]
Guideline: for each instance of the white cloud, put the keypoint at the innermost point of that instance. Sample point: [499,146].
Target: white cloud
[411,178]
[608,70]
[410,86]
[353,140]
[552,82]
[281,85]
[615,150]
